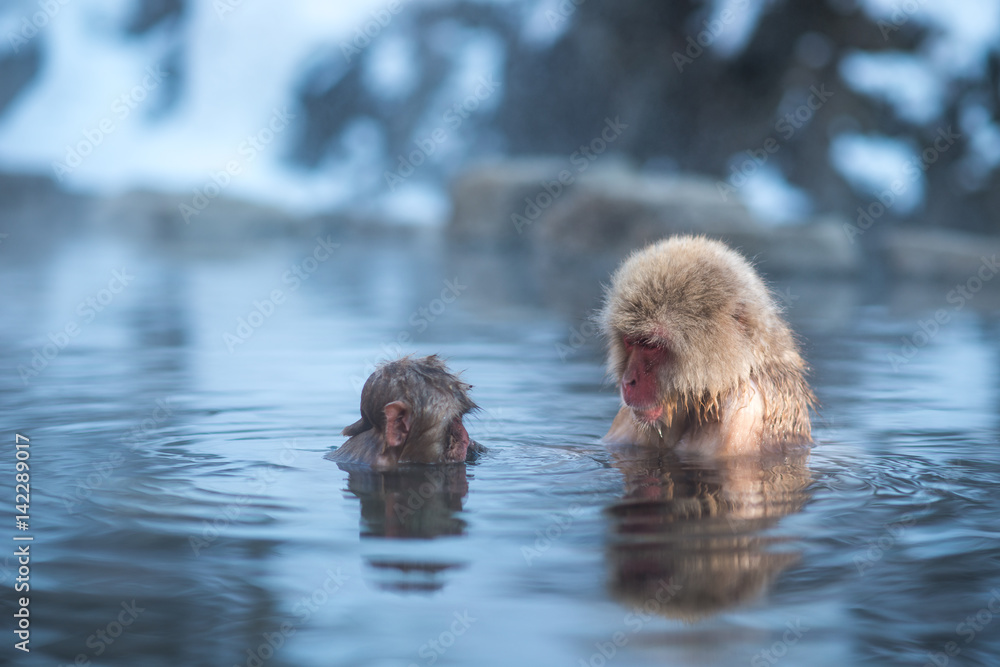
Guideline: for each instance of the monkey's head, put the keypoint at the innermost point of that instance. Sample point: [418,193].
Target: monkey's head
[687,320]
[415,406]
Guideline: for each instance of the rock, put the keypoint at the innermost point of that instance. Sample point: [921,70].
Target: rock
[938,253]
[36,214]
[486,198]
[817,246]
[162,216]
[613,210]
[620,211]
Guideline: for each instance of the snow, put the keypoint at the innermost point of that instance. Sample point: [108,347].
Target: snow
[94,115]
[240,66]
[874,164]
[772,199]
[743,17]
[906,82]
[963,30]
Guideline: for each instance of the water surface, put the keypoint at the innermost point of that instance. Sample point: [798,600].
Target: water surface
[179,484]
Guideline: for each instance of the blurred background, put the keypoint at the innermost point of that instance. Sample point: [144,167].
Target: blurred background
[372,108]
[217,217]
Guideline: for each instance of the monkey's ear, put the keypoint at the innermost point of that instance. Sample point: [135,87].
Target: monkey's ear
[357,427]
[398,418]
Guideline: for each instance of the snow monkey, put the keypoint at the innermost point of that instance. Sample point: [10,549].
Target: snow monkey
[411,412]
[703,359]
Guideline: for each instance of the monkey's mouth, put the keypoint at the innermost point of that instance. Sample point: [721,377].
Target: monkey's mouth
[647,415]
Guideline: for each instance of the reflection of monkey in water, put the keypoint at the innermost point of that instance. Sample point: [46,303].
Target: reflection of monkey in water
[412,501]
[409,502]
[707,368]
[411,412]
[703,359]
[693,528]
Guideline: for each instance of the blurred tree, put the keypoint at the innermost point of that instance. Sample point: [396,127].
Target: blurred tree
[167,15]
[147,14]
[694,94]
[17,69]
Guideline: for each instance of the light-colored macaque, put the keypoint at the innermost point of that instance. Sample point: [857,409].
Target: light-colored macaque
[411,412]
[703,359]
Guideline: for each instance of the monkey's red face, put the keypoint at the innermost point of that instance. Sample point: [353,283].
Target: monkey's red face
[639,385]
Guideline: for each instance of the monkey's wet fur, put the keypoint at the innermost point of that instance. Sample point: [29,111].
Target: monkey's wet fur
[701,355]
[411,413]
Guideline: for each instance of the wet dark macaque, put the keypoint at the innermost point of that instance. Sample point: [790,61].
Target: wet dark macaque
[411,412]
[702,357]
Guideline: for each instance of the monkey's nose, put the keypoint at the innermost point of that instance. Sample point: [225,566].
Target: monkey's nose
[629,388]
[630,377]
